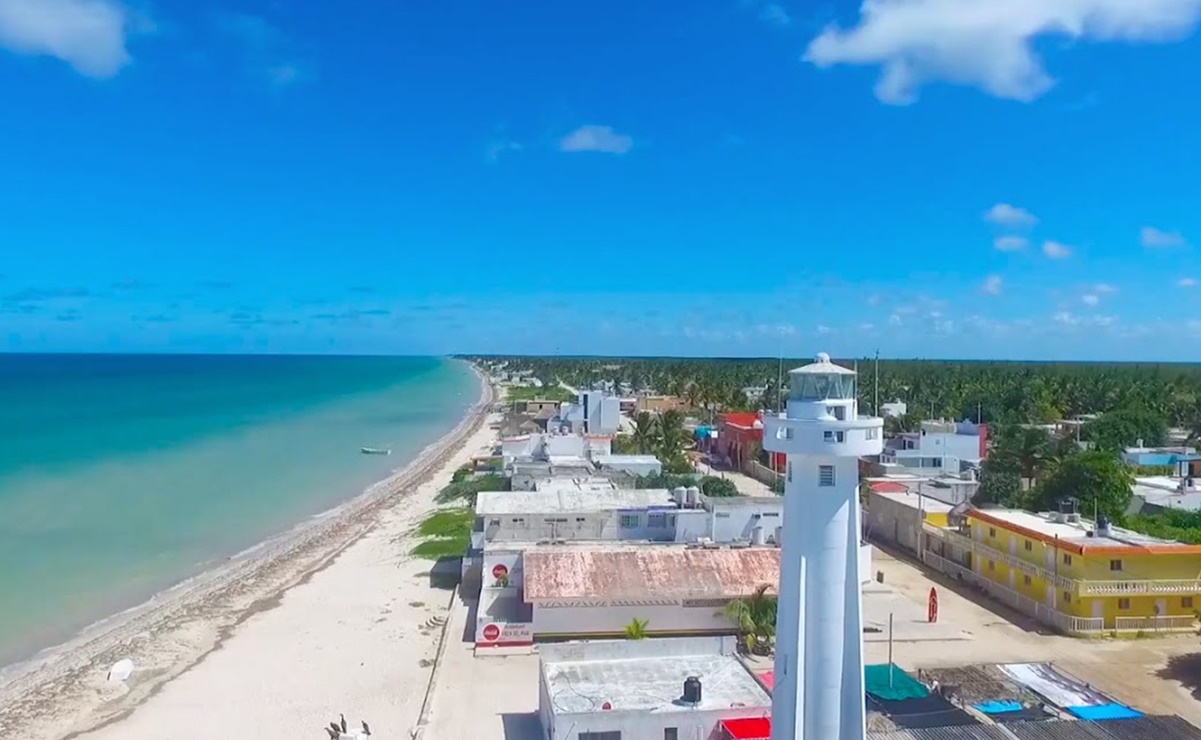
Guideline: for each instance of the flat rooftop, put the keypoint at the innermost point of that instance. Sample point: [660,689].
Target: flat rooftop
[913,501]
[651,684]
[603,459]
[649,571]
[571,497]
[1075,533]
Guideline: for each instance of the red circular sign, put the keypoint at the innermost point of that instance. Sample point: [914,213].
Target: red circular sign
[491,632]
[499,571]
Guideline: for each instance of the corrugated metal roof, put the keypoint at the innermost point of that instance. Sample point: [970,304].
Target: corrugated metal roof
[1144,728]
[975,732]
[660,571]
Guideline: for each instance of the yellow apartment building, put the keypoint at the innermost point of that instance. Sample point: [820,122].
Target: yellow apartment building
[1081,576]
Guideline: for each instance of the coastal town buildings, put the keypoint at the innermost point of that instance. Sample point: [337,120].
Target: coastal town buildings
[594,412]
[949,489]
[899,517]
[740,438]
[675,689]
[939,447]
[1079,575]
[635,465]
[819,666]
[1159,457]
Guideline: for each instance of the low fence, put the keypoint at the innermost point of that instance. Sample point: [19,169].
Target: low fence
[1065,623]
[1179,623]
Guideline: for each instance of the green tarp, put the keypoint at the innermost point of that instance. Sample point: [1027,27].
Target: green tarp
[901,686]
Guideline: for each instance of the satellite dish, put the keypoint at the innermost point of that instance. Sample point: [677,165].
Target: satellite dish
[120,671]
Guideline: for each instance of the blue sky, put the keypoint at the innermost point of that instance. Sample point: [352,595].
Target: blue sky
[932,178]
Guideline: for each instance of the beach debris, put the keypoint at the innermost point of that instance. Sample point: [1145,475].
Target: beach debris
[340,731]
[120,671]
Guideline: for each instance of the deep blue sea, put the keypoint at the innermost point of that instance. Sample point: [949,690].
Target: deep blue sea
[121,475]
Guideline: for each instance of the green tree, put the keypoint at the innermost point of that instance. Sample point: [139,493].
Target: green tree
[645,432]
[1000,484]
[1026,449]
[755,618]
[1125,427]
[718,487]
[672,435]
[1097,478]
[636,629]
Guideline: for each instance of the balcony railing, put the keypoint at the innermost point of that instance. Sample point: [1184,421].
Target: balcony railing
[1133,587]
[1068,624]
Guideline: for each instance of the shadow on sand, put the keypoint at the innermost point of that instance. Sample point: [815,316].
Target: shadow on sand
[1186,670]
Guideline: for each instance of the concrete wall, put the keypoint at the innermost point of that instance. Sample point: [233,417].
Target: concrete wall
[551,622]
[690,725]
[893,522]
[734,522]
[633,467]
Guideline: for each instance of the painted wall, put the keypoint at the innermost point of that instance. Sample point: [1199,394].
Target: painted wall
[734,522]
[691,725]
[598,621]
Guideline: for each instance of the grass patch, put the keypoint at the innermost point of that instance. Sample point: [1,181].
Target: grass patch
[533,393]
[446,533]
[448,523]
[442,547]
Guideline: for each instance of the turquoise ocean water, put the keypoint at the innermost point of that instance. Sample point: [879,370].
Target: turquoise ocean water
[121,475]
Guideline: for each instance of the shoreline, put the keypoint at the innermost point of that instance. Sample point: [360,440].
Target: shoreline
[64,687]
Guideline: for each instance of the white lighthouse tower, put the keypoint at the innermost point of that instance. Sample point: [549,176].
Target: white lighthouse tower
[819,692]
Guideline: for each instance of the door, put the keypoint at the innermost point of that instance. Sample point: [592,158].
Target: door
[1099,608]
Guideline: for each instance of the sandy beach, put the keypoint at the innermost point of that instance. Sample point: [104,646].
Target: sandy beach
[333,617]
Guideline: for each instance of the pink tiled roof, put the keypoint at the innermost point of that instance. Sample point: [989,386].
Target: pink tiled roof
[663,571]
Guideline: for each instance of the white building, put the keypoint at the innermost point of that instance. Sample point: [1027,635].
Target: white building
[594,412]
[635,690]
[894,408]
[819,684]
[940,447]
[635,465]
[949,489]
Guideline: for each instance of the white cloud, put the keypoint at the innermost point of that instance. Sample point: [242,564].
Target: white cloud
[1153,238]
[90,35]
[780,330]
[1090,299]
[1187,282]
[993,285]
[1067,319]
[1011,243]
[775,14]
[1004,214]
[499,147]
[1104,289]
[1056,250]
[593,138]
[894,320]
[984,43]
[824,330]
[867,327]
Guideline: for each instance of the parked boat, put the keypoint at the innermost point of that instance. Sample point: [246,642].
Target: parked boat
[374,451]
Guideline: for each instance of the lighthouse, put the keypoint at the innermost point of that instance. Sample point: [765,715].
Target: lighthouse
[818,692]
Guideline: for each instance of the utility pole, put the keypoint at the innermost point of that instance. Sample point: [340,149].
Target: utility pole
[876,402]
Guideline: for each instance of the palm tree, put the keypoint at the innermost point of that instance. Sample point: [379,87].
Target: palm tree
[672,435]
[755,617]
[645,433]
[636,629]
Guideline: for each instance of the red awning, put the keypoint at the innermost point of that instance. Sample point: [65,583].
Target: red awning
[751,728]
[888,486]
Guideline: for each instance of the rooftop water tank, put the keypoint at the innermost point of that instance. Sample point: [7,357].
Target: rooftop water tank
[694,496]
[680,496]
[758,537]
[692,690]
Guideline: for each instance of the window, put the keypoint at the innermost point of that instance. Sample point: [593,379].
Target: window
[992,565]
[671,733]
[825,475]
[630,521]
[1025,580]
[770,514]
[1029,546]
[580,520]
[611,735]
[790,472]
[1067,559]
[656,521]
[1186,602]
[872,433]
[992,532]
[1123,604]
[1067,597]
[493,522]
[1115,564]
[835,436]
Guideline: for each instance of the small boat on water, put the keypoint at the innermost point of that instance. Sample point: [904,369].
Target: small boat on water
[374,451]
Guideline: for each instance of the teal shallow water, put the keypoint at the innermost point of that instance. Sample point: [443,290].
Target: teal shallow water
[122,475]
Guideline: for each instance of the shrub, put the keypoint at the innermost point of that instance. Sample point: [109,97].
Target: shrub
[718,487]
